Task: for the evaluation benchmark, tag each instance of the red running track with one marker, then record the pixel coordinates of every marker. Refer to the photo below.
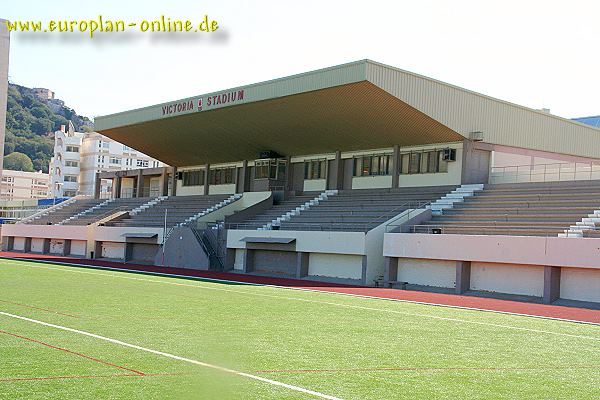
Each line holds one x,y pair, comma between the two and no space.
472,302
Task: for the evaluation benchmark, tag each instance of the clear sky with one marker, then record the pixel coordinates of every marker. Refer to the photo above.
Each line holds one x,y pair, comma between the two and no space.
535,53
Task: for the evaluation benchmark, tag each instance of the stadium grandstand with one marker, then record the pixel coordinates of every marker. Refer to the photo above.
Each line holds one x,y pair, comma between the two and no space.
360,173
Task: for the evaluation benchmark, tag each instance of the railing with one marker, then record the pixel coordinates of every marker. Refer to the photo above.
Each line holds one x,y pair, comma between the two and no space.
96,217
506,230
394,226
128,193
546,172
207,245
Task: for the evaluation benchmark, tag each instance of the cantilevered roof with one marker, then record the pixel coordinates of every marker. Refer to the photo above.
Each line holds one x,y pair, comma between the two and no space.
356,106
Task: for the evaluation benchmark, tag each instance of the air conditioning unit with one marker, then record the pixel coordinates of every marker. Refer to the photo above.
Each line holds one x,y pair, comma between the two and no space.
476,136
449,155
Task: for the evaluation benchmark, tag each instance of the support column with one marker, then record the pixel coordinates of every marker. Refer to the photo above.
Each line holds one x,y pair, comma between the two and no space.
242,183
335,179
10,243
67,247
206,176
396,167
551,284
164,182
97,250
97,186
118,187
173,181
363,277
302,264
248,261
390,273
46,248
139,190
289,175
128,252
463,277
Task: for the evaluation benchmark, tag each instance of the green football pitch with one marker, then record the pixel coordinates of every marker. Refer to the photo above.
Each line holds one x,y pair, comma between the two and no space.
79,333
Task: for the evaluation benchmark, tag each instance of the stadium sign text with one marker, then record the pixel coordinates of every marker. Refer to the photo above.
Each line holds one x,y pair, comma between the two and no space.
204,103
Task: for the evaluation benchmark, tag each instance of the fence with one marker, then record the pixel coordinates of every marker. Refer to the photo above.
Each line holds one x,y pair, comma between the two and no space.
553,172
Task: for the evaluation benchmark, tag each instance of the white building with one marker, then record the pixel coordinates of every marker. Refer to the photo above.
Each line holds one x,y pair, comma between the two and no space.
20,185
78,156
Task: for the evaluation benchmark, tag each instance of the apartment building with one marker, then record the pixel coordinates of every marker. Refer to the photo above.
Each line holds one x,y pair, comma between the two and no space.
20,185
79,156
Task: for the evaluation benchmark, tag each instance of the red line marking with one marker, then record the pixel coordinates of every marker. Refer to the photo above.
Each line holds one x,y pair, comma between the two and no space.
73,352
38,308
47,378
430,369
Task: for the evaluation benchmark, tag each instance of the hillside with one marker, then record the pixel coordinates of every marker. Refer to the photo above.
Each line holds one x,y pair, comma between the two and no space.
29,124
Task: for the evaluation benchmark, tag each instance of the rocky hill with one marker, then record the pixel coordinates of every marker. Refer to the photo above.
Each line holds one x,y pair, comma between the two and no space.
30,124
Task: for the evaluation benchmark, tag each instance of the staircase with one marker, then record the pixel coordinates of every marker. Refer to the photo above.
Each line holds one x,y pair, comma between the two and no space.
456,196
288,215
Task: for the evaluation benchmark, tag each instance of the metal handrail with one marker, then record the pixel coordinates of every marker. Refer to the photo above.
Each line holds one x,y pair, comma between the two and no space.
509,229
100,216
547,171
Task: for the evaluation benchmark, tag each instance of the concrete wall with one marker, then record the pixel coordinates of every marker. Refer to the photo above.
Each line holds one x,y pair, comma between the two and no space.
335,265
189,190
221,189
506,278
113,250
314,185
306,241
19,244
427,272
371,182
580,284
37,245
78,248
528,250
509,264
57,246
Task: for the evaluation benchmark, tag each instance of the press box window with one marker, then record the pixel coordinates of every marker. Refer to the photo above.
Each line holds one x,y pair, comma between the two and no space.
315,169
372,165
270,169
193,177
221,176
423,162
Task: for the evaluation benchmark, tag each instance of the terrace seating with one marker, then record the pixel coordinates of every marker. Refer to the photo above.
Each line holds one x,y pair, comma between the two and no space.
348,210
540,209
363,209
178,209
280,208
105,210
60,214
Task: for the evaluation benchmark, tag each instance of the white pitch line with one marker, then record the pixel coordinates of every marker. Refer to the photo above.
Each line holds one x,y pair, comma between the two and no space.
169,355
519,328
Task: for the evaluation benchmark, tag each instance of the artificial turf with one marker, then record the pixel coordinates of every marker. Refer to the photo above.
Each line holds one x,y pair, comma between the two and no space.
342,346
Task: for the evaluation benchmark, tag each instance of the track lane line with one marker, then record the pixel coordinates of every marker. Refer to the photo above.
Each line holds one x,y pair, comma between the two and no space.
458,320
175,357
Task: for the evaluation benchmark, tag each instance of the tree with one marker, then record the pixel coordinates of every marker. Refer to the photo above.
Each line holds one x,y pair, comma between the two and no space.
18,162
